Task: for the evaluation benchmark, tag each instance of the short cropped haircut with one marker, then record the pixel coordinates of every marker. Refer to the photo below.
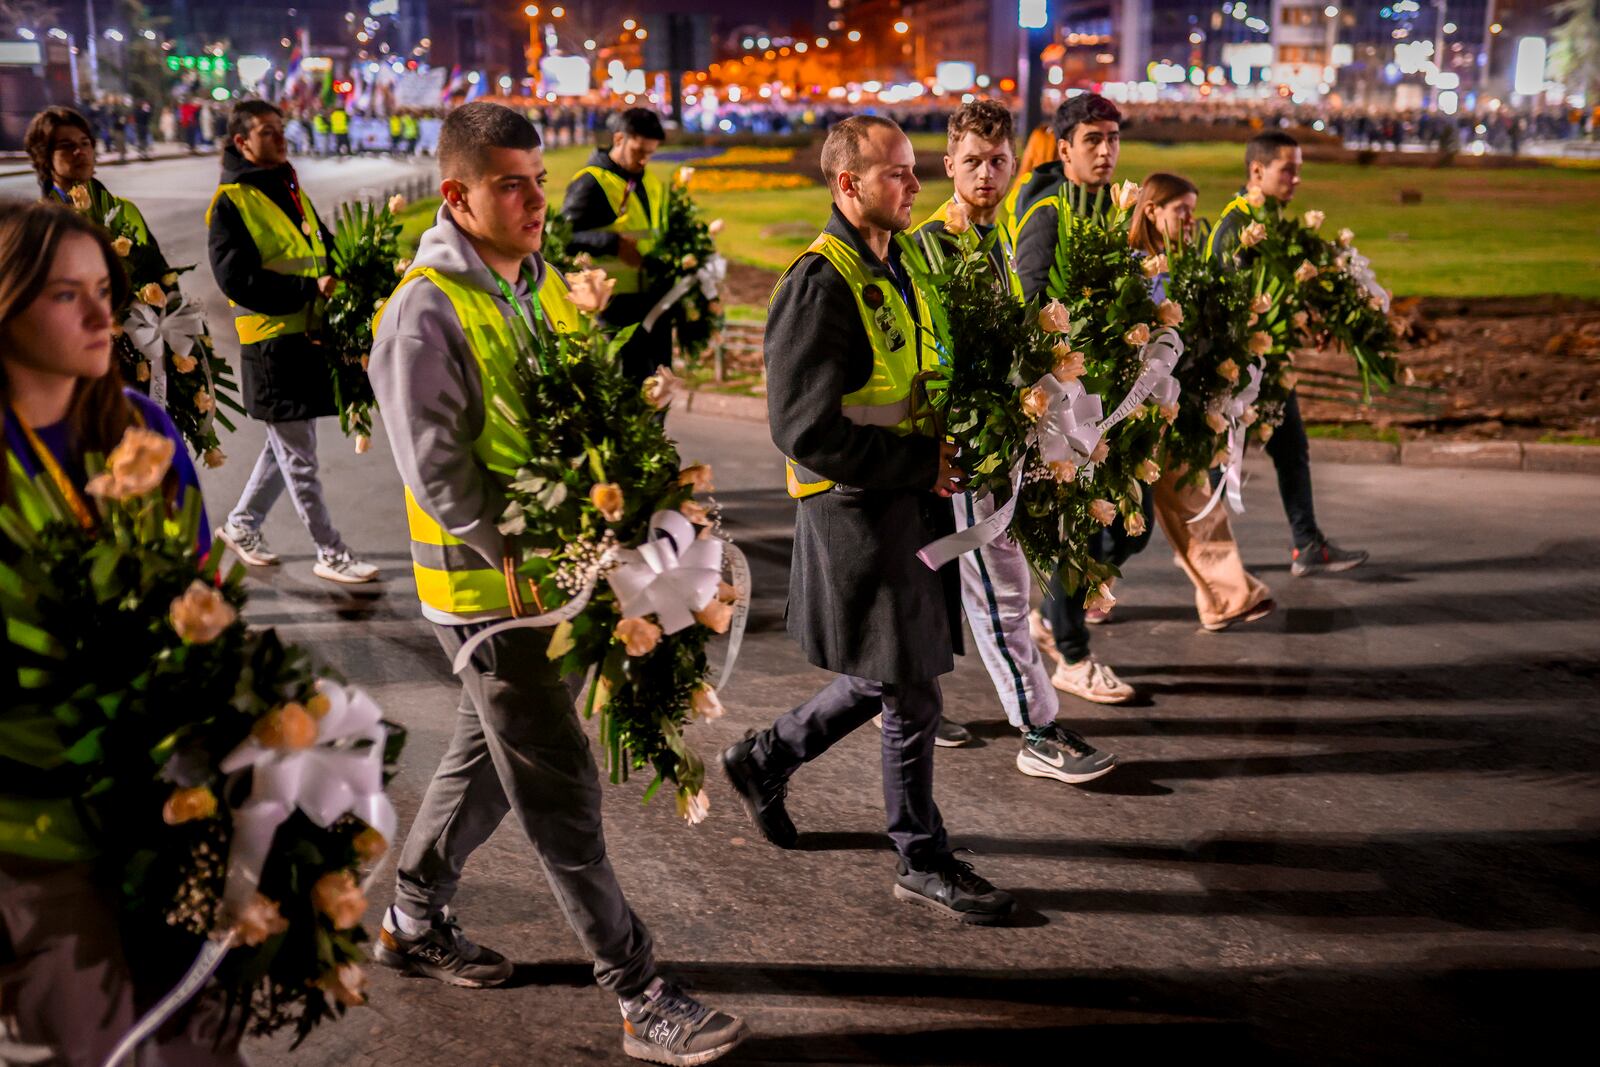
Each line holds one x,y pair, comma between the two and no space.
841,152
989,119
637,122
1085,107
471,130
1264,147
246,113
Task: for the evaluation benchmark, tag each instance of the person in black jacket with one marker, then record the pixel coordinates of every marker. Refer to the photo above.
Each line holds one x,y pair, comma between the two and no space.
845,341
615,206
1272,174
260,205
1088,132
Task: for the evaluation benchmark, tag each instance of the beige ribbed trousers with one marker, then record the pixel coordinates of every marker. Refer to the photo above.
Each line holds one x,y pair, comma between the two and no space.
1206,550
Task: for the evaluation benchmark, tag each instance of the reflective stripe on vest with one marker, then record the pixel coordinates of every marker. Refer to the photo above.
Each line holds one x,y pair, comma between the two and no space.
1008,248
284,248
450,575
632,220
886,399
1238,203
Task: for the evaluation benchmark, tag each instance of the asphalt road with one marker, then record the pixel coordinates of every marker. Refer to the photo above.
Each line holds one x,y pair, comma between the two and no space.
1363,830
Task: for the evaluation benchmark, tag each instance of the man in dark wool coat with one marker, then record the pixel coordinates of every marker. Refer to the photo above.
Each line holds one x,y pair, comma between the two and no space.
847,338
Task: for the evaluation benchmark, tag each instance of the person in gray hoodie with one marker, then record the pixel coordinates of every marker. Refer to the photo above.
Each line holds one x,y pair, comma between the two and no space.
518,745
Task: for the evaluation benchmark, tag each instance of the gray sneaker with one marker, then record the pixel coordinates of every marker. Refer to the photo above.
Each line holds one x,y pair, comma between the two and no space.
1325,557
1053,751
441,951
344,568
248,545
947,735
666,1025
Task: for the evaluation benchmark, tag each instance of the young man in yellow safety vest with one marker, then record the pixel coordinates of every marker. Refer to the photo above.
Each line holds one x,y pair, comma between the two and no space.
269,254
443,367
616,205
1088,130
995,578
848,339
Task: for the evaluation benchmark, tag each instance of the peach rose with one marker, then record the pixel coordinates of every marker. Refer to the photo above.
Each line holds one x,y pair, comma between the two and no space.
1148,472
1062,470
1103,511
135,467
607,499
1260,343
1101,451
122,246
1305,271
695,512
1248,416
1261,304
259,920
1069,365
591,290
397,204
80,197
1216,421
142,373
1252,235
1169,313
289,726
1100,599
185,805
363,442
684,176
638,636
201,614
694,809
1347,237
697,477
1035,402
203,401
370,845
1312,219
153,295
170,279
1255,198
1228,369
1154,265
716,616
1134,524
1053,318
1169,412
215,457
714,227
346,983
318,705
1301,319
689,262
1221,458
1139,335
338,897
1125,195
184,364
1253,319
661,387
956,219
706,704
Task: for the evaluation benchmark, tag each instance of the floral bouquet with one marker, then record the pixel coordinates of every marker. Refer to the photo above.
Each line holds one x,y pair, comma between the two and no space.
686,257
162,344
1220,374
613,549
1321,292
231,793
366,259
1049,403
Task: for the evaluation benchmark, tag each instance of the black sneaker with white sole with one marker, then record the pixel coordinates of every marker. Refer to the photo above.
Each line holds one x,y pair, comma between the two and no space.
1323,556
951,886
666,1025
440,951
1053,751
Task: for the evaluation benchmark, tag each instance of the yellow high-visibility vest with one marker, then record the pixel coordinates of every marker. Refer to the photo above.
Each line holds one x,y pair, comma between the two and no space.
451,576
886,399
633,220
285,248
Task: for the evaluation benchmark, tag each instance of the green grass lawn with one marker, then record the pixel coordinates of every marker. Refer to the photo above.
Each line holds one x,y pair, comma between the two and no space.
1476,232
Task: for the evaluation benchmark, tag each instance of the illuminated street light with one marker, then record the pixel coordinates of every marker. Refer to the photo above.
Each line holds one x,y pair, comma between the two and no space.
628,24
901,26
532,11
822,42
557,12
854,35
1331,11
113,35
589,44
1496,28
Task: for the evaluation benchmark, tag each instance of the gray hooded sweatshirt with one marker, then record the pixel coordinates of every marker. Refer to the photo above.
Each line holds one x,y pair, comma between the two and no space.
431,395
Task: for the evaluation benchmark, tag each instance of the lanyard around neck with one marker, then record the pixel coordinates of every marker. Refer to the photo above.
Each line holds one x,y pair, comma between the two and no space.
522,311
47,461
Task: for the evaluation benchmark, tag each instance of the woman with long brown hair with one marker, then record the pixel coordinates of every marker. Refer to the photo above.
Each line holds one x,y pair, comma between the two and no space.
1225,594
64,980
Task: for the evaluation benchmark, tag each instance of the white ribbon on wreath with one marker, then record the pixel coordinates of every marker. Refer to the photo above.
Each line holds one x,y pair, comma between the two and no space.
1231,484
155,330
709,277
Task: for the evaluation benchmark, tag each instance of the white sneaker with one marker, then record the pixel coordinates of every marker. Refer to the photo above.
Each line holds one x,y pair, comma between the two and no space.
344,568
248,545
1089,679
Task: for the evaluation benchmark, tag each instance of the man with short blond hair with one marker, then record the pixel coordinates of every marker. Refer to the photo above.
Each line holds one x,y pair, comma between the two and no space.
847,338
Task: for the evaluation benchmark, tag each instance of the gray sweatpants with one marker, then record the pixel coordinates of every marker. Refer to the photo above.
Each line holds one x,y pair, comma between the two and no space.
288,460
518,747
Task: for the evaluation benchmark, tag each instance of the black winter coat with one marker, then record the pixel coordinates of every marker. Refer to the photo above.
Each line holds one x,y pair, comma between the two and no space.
284,378
860,601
